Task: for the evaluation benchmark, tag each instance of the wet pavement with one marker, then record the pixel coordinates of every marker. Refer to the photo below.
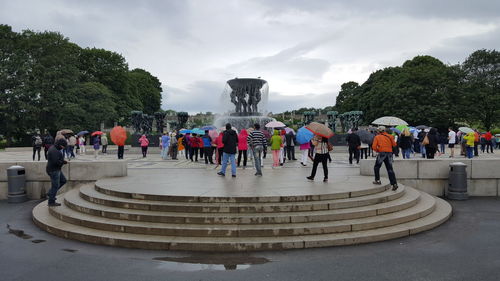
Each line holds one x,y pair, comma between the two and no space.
467,247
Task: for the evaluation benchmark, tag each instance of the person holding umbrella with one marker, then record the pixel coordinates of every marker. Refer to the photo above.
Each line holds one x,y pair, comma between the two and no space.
144,142
276,144
383,144
118,137
321,155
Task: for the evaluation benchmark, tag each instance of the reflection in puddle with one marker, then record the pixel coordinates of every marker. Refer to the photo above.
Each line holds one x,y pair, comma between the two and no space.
208,262
36,241
19,233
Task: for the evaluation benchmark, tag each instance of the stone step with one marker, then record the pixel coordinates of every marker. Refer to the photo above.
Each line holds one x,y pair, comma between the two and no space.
102,187
46,221
90,194
75,202
423,208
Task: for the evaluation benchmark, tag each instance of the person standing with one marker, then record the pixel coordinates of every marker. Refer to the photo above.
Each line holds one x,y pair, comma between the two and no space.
421,136
469,144
207,148
383,144
489,146
165,144
276,144
96,145
144,142
219,145
405,142
230,141
37,142
477,140
321,155
55,161
48,141
257,142
452,139
81,143
243,147
432,147
71,147
290,145
173,146
305,152
104,142
195,146
354,143
186,141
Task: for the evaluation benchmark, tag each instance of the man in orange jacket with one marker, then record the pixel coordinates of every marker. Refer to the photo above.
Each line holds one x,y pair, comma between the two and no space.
383,144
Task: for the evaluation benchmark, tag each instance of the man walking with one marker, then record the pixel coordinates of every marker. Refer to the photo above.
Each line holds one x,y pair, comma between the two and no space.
55,161
257,141
452,137
383,144
354,143
37,145
230,141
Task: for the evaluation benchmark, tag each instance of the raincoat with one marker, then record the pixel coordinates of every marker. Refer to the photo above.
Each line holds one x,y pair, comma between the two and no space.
242,140
144,141
276,141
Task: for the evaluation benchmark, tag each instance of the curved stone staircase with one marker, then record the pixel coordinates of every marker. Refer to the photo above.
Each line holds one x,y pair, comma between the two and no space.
101,215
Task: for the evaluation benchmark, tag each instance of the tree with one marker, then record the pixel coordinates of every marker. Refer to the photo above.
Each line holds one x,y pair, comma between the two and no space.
481,79
144,90
347,98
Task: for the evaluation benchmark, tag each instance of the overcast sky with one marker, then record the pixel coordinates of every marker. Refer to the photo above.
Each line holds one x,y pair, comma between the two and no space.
305,49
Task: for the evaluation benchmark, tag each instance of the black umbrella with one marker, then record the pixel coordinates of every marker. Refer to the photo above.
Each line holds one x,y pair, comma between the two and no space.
365,136
422,127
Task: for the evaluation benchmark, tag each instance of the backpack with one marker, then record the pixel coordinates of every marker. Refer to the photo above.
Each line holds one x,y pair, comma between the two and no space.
38,141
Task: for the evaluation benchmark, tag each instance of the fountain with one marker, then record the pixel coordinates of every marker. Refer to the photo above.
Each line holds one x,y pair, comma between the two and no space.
244,103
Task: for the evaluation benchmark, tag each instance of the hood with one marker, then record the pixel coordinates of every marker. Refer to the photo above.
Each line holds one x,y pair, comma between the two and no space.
60,144
243,132
230,132
276,133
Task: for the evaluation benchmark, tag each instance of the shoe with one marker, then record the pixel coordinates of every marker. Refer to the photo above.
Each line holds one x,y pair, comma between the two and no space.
294,159
395,187
221,174
310,178
233,176
55,204
281,164
377,182
258,174
325,180
302,164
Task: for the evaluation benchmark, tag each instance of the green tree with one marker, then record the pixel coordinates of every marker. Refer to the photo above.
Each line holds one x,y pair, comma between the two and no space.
144,90
481,80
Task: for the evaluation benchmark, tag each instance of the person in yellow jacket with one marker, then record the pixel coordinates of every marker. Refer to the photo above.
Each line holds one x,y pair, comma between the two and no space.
383,144
276,144
469,145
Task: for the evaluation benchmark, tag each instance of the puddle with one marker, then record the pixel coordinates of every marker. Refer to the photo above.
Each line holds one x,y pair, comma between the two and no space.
36,241
19,233
70,250
198,263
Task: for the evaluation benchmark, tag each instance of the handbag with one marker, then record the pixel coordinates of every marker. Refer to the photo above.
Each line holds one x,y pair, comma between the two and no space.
425,141
330,147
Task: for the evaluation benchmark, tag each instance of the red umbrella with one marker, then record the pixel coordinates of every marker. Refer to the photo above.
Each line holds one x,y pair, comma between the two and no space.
320,129
97,133
118,135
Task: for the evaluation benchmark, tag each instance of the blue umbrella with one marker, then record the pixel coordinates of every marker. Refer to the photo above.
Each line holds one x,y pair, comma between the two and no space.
396,130
82,133
304,135
198,131
185,131
208,128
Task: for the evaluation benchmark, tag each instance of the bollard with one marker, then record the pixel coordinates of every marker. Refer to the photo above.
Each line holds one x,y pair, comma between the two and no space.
457,182
17,184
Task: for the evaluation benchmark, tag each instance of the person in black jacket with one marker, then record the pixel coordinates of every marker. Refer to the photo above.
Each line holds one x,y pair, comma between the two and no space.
48,141
354,142
230,141
290,145
432,147
55,161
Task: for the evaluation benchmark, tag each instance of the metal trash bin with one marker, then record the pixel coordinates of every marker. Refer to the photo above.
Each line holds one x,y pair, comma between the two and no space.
16,177
457,182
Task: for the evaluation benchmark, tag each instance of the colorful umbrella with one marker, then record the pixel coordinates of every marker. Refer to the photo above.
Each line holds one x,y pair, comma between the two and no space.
402,127
396,130
185,131
304,135
97,133
208,128
288,130
320,129
213,134
275,124
118,135
82,133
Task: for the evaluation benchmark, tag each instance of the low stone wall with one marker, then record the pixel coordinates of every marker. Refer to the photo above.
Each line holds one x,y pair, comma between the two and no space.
431,175
77,173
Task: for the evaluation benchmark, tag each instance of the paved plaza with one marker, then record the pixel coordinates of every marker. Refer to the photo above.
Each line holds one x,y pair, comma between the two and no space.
464,248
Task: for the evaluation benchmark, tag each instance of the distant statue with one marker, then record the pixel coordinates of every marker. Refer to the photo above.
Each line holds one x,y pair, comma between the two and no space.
147,124
182,118
160,121
245,95
136,120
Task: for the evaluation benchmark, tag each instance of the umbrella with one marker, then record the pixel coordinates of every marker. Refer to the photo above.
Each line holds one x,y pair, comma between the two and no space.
466,130
497,135
275,124
198,131
66,132
365,136
288,130
82,133
320,129
118,135
266,134
304,135
97,133
389,121
422,127
185,131
213,134
402,127
396,130
208,128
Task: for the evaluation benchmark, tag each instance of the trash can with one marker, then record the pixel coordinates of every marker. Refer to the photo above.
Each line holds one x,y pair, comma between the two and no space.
457,182
16,177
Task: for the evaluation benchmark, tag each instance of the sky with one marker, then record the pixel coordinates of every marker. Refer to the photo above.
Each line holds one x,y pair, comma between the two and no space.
305,49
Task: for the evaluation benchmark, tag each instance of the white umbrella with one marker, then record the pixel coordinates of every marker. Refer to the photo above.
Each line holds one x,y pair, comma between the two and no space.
275,124
465,130
389,121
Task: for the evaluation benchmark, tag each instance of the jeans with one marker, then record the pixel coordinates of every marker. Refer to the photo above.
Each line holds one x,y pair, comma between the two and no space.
208,154
257,151
105,148
422,150
164,153
443,148
225,158
386,158
470,152
353,151
406,153
323,158
37,149
57,179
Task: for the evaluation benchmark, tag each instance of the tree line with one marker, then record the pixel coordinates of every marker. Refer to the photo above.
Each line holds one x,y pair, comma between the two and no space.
426,91
48,83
